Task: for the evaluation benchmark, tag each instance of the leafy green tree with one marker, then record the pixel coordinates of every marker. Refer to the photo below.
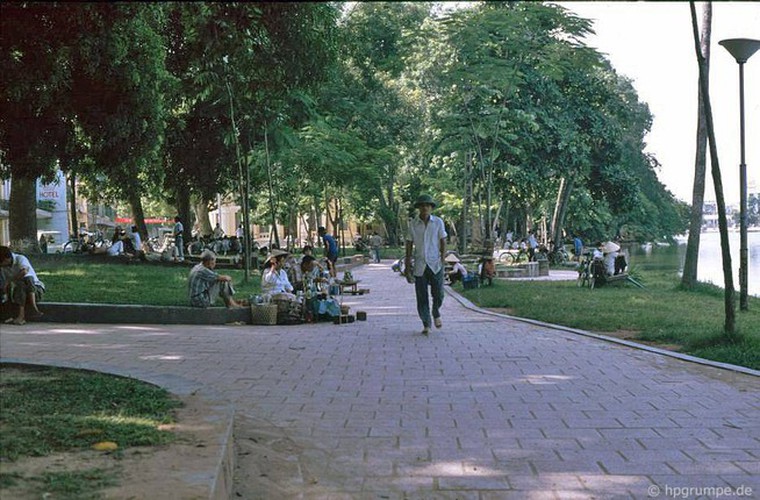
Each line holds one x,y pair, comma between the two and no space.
245,56
88,83
35,123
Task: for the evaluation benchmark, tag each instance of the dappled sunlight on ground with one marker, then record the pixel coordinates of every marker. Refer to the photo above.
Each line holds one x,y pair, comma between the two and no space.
163,357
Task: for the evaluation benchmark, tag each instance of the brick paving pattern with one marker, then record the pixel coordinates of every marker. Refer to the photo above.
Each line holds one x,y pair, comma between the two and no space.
486,407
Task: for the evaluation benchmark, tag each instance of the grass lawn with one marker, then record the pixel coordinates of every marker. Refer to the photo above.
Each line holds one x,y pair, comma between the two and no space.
691,322
73,278
47,410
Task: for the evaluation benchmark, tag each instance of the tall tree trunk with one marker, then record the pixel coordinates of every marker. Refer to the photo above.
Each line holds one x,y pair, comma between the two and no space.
204,224
138,215
689,278
560,209
317,214
388,211
23,210
496,216
184,211
73,205
467,201
270,182
729,294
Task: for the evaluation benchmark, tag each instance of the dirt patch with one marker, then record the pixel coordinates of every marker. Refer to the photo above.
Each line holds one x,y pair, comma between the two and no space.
632,336
502,310
165,471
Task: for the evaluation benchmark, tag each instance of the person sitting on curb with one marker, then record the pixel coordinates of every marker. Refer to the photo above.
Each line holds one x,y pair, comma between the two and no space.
205,284
19,281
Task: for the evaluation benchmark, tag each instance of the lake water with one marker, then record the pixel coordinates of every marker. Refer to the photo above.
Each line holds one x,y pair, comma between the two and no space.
710,267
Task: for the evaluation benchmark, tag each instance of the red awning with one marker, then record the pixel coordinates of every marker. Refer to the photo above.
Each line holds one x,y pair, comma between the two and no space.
127,220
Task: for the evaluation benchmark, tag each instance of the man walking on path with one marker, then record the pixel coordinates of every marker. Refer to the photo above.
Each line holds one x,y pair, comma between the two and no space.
375,242
427,237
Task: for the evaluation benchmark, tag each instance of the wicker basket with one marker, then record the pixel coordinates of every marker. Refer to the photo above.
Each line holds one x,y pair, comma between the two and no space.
264,314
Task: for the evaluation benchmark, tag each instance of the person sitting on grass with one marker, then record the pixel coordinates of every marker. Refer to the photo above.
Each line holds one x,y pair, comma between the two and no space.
19,282
487,270
205,284
458,271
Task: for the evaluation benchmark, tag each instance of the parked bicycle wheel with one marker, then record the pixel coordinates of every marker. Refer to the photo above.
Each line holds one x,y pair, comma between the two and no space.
71,246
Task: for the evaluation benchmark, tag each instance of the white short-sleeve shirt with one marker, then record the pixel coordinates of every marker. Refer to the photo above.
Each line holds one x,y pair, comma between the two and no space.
426,239
20,262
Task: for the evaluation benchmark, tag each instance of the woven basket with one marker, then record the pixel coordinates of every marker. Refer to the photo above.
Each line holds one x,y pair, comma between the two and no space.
265,314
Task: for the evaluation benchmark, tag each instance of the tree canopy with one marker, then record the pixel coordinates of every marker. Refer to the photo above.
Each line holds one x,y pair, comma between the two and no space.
498,109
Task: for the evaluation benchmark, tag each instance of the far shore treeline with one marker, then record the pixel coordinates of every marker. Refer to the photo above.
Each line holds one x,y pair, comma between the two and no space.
499,110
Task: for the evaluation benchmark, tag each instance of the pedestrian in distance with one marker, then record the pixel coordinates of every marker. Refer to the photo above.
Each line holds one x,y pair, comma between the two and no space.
375,242
426,240
179,240
331,249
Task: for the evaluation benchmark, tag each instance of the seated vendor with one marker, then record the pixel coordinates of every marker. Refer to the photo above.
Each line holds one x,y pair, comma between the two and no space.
308,270
205,284
610,251
274,279
458,271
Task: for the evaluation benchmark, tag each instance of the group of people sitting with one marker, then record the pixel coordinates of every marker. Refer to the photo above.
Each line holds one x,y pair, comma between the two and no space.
282,277
122,243
458,272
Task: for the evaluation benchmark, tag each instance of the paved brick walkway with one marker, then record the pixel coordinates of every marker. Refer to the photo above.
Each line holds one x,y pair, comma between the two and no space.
485,408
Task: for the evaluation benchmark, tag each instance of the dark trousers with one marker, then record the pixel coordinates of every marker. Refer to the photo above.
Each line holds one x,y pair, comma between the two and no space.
421,284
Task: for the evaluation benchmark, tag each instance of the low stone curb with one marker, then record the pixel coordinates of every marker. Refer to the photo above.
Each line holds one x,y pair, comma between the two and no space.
683,357
65,312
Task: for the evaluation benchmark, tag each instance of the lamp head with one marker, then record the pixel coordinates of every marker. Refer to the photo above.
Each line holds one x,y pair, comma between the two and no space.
741,48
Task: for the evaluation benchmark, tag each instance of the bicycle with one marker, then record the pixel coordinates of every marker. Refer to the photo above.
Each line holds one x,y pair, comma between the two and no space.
84,243
558,256
591,272
510,257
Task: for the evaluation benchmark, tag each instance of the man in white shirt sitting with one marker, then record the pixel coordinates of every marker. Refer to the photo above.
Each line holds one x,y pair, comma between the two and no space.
20,283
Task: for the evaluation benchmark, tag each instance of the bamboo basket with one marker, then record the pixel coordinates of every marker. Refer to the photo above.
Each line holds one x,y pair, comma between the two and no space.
264,314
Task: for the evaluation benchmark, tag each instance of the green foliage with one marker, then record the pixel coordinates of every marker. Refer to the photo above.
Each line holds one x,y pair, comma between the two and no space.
168,101
90,280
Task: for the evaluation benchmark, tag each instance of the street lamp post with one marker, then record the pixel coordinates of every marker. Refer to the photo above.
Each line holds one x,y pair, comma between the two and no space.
742,49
